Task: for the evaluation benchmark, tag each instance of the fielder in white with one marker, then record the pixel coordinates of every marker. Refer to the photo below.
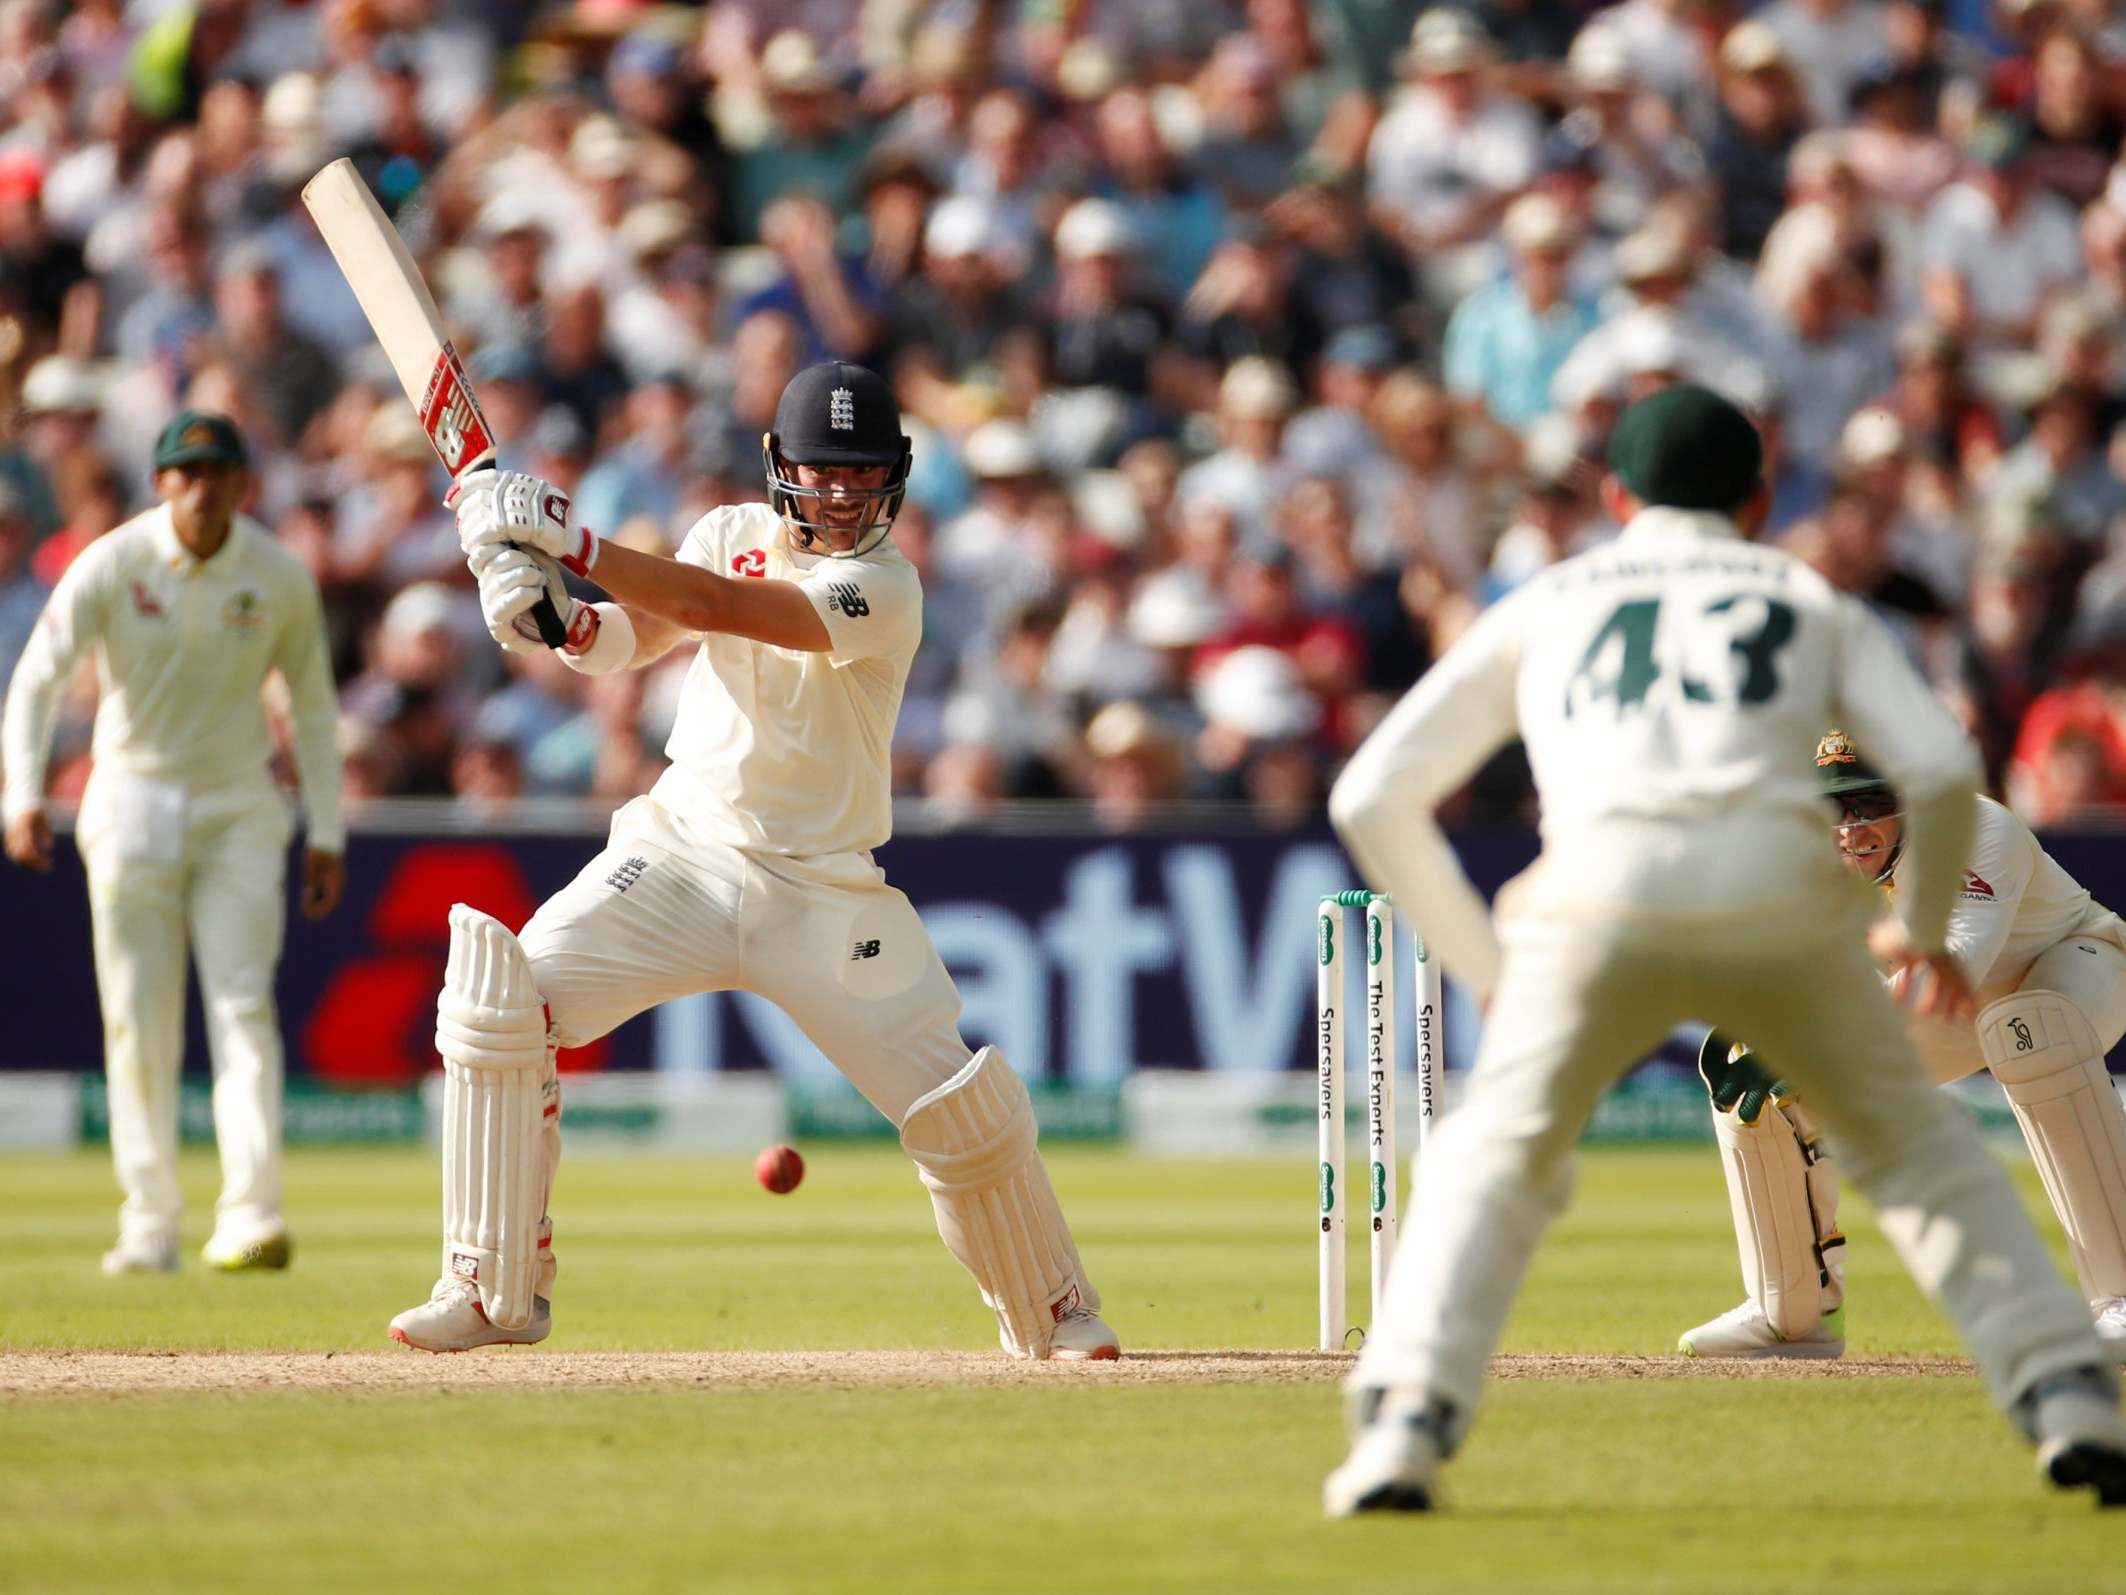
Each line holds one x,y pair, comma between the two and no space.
1667,686
2048,965
747,866
183,832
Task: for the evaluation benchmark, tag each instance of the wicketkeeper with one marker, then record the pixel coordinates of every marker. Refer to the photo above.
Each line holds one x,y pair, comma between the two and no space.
2048,964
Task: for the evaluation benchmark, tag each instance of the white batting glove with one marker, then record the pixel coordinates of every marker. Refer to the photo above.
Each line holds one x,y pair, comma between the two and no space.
512,580
512,507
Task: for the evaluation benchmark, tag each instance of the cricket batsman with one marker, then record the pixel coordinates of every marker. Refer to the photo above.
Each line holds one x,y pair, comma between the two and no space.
747,866
2048,965
187,609
1665,685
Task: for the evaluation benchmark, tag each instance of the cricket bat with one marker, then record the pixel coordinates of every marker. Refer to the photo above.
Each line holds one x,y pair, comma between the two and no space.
373,258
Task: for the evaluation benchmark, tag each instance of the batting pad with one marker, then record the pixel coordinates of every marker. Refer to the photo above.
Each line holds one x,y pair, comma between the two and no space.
2044,1052
974,1141
1783,1193
501,1117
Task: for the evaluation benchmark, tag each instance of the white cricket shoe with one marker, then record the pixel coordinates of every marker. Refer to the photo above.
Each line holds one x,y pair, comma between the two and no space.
452,1319
1394,1459
2110,1314
1082,1335
1745,1332
141,1254
2081,1440
238,1251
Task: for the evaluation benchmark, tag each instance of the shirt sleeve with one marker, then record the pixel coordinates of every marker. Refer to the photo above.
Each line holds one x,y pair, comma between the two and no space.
871,610
307,668
1990,893
72,620
1459,714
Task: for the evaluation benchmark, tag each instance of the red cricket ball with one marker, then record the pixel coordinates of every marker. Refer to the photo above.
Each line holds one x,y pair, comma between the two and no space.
779,1168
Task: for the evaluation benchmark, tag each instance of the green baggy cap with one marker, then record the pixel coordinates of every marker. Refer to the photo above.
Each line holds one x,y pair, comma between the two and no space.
195,436
1688,448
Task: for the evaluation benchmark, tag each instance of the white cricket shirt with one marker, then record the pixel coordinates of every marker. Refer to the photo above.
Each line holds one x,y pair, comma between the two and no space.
1675,674
2015,902
778,750
182,648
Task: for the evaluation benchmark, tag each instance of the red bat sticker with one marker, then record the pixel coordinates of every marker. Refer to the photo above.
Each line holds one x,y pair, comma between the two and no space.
450,415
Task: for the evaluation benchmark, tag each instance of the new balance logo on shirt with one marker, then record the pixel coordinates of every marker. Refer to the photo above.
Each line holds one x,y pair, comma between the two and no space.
863,949
845,597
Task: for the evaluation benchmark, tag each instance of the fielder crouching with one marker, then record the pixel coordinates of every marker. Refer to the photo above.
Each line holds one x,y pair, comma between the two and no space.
2048,965
747,866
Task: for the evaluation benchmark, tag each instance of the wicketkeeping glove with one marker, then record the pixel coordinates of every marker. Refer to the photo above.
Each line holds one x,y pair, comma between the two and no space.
1734,1079
512,507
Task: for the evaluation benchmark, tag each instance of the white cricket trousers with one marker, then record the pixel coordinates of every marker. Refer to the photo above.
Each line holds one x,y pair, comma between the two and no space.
171,868
657,915
1584,993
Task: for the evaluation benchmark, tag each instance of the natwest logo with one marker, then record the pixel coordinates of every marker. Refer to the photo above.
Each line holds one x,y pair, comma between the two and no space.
753,562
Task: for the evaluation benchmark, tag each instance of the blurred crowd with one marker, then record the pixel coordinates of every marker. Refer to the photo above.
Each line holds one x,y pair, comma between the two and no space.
1249,347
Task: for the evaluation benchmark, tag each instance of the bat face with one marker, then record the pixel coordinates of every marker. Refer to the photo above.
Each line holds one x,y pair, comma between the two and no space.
451,416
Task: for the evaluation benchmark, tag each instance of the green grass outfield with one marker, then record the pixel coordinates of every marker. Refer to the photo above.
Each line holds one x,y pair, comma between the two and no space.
517,1471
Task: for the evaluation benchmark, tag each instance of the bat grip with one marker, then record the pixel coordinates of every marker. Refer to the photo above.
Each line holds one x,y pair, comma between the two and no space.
551,630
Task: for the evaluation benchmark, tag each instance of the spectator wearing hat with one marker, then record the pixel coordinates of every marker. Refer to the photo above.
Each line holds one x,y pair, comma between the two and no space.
946,318
1259,741
1103,332
1256,398
182,829
1133,764
1332,438
291,376
1827,211
1929,536
1449,158
816,146
1659,332
1422,499
1762,115
999,545
1825,357
1994,252
1506,342
1556,515
62,402
655,86
392,528
1665,44
412,691
1177,218
1830,43
507,302
1627,137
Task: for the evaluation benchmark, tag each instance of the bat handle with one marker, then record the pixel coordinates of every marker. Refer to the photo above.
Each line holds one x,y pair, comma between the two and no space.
551,630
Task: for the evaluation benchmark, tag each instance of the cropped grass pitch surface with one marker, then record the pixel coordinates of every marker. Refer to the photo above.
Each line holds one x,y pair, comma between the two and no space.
752,1393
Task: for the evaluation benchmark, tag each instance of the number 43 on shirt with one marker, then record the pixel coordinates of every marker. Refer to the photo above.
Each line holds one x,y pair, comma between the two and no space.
1729,653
